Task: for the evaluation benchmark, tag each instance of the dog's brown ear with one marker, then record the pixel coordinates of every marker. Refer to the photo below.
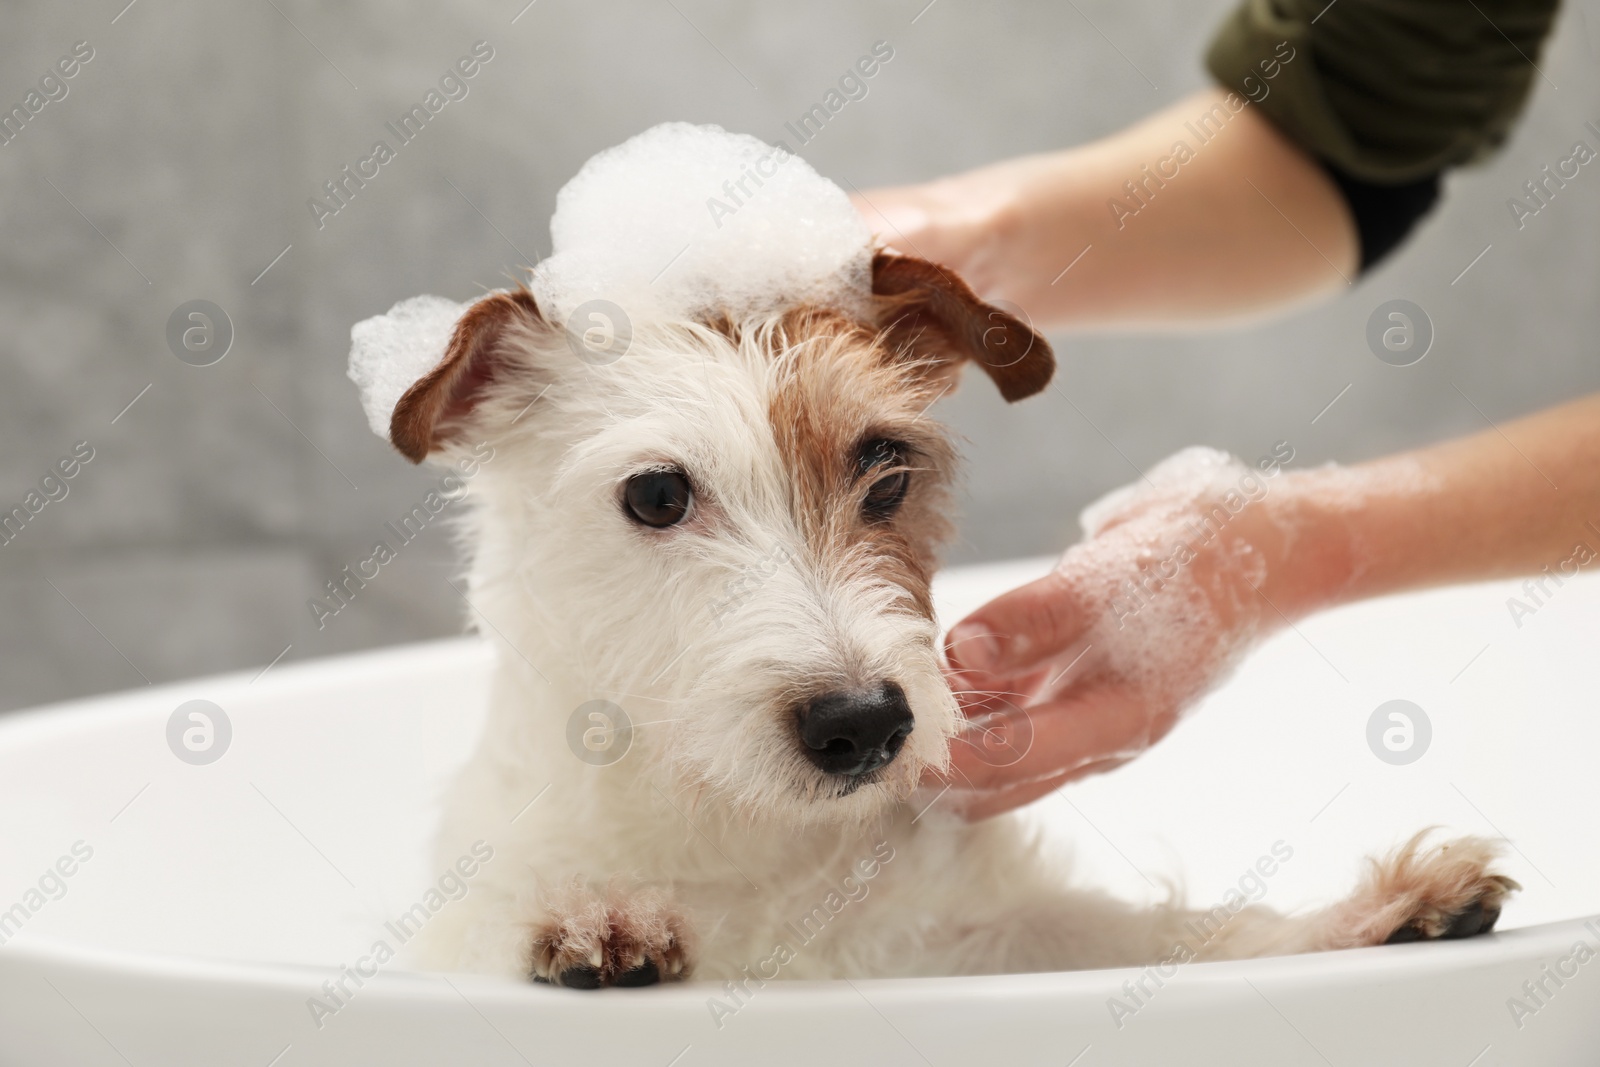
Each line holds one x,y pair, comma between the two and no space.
433,410
930,311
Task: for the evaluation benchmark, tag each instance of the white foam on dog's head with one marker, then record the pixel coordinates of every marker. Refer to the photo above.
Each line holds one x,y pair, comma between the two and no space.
676,223
683,220
389,352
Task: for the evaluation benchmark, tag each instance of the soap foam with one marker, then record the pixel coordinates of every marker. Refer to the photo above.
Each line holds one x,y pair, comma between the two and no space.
1174,486
684,220
678,222
389,352
1173,601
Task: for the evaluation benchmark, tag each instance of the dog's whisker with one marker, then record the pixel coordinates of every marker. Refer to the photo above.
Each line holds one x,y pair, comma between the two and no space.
972,637
953,769
975,745
681,653
624,694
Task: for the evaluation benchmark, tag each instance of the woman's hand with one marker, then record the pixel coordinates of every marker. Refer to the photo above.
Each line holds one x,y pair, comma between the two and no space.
1178,575
1176,578
957,222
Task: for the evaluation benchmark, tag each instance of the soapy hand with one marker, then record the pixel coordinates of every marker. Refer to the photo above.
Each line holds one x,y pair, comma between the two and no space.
1085,668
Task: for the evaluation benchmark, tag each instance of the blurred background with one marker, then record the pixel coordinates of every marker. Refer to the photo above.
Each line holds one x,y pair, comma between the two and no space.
179,165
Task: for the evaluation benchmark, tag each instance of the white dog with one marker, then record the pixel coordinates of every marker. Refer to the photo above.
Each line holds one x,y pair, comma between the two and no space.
730,533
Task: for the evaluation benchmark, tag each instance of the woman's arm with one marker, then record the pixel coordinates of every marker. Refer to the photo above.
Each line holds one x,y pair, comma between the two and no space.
1510,500
1231,204
1246,224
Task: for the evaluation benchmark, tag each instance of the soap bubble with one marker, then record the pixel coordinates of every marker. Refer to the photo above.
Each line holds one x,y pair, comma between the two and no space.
683,220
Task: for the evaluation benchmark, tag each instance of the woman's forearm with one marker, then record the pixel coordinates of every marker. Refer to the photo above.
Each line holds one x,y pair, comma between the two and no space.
1239,222
1513,499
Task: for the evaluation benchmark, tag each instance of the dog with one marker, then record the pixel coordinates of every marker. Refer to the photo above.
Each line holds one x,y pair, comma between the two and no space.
731,534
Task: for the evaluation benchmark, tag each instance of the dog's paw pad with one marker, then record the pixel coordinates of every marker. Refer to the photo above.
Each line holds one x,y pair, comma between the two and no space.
645,974
581,978
1477,919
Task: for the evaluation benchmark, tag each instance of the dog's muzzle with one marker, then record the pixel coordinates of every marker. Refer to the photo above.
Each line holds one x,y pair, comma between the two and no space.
855,733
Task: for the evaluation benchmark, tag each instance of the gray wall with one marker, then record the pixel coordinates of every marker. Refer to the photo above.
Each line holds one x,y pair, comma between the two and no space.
180,164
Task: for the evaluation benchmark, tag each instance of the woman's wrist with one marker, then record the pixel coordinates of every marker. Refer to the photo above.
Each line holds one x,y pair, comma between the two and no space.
1026,219
1310,544
984,231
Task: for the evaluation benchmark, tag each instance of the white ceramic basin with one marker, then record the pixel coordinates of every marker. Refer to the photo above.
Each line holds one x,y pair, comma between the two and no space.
217,898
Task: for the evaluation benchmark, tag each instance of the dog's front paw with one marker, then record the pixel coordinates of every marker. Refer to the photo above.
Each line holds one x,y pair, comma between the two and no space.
1428,894
589,939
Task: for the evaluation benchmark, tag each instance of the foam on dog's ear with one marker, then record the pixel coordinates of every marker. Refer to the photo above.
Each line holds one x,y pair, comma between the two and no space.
389,352
434,409
930,312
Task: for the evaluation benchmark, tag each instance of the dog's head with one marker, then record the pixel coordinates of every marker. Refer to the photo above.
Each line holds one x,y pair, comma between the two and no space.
729,530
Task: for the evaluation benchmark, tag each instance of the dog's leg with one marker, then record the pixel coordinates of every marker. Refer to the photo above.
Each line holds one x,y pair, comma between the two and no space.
588,938
1416,893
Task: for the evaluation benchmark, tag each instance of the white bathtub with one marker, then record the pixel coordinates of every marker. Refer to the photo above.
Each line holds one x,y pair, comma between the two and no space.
218,898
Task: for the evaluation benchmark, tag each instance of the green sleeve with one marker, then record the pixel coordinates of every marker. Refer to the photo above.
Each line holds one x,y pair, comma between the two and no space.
1388,91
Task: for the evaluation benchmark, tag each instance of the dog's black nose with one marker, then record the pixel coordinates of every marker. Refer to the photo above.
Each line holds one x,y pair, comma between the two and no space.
855,733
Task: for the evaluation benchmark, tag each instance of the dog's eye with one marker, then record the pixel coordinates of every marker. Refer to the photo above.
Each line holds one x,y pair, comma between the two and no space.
889,491
886,495
658,498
